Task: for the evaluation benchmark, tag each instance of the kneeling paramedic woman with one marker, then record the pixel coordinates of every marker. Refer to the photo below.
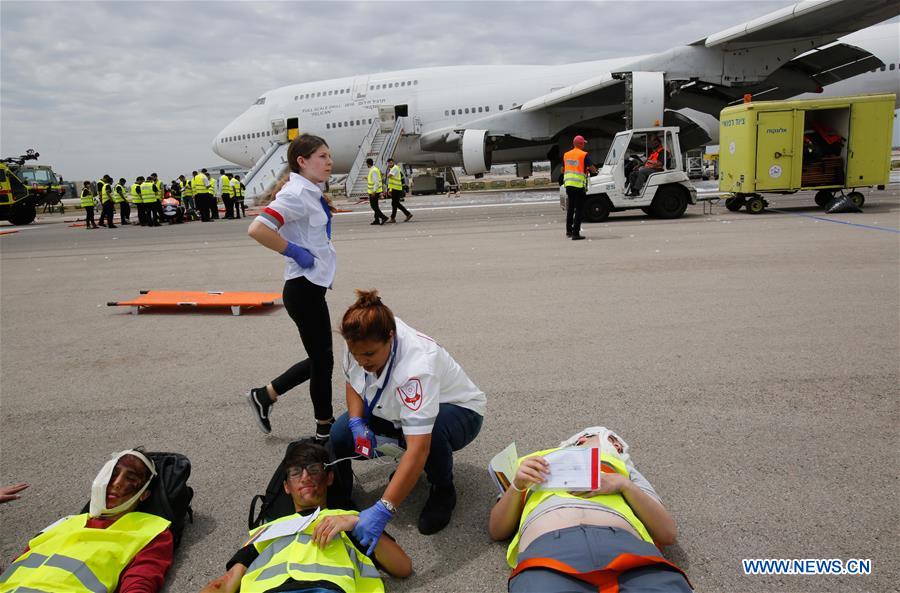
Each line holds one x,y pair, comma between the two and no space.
402,385
602,540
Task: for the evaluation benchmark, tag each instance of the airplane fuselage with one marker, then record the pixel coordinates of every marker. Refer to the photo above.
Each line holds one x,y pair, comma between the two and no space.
342,110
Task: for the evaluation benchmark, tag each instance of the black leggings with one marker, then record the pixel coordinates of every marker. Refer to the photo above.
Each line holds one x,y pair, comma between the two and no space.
305,303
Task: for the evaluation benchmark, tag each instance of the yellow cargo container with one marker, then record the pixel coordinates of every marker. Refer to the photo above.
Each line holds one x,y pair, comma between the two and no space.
829,145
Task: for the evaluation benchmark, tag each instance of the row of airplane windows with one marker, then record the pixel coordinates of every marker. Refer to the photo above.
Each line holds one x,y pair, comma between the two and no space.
467,110
347,124
246,136
372,87
882,68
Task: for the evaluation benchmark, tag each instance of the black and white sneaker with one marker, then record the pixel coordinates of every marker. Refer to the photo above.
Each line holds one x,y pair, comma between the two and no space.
261,405
323,432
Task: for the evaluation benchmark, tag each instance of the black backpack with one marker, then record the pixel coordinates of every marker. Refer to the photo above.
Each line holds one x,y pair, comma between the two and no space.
277,503
170,495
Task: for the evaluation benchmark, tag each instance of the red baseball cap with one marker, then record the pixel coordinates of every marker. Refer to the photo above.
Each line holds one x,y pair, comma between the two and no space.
579,140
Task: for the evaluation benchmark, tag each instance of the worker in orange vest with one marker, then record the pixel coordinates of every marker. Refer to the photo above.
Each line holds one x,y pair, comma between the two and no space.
576,165
653,164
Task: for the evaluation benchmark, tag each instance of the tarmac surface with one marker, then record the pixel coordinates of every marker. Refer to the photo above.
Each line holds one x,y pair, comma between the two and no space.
751,362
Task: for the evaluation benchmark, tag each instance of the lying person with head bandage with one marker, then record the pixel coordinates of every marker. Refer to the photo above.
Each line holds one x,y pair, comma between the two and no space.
113,547
586,541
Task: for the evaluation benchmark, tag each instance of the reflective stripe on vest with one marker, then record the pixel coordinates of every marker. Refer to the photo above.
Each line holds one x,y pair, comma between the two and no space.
119,193
616,502
87,199
198,183
226,185
297,557
236,188
148,194
573,168
135,196
374,180
73,558
395,179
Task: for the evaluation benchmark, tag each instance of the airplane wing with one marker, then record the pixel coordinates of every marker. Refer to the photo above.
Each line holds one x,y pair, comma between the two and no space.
782,54
807,73
809,19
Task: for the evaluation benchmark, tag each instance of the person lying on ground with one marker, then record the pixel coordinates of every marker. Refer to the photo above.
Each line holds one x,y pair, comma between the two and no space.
582,541
111,548
321,557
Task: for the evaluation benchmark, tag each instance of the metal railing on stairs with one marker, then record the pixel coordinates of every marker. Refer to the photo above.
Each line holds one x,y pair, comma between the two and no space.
378,146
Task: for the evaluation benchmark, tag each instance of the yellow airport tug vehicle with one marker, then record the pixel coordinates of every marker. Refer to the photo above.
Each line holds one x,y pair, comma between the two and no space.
43,188
16,204
825,145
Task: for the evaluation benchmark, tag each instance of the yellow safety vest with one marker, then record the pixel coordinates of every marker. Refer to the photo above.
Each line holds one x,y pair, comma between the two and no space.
148,194
186,189
135,196
103,191
157,191
395,178
374,180
226,186
615,502
236,188
118,193
198,184
87,198
211,189
297,557
573,168
72,558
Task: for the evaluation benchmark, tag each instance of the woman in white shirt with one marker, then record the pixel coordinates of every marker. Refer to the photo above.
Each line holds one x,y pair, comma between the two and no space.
297,224
402,386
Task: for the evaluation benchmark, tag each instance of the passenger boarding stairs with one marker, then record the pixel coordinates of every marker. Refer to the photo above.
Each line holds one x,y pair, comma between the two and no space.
378,145
267,170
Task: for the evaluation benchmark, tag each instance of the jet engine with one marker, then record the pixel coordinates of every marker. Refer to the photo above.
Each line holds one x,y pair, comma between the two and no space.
476,155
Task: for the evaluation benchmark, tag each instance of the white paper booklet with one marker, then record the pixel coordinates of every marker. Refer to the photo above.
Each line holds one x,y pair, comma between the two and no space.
289,527
503,466
573,468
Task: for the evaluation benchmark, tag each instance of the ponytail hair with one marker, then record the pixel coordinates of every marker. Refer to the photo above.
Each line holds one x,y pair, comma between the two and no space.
270,195
368,319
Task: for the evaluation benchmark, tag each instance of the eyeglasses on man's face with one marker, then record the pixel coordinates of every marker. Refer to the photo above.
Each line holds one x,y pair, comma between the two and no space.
315,471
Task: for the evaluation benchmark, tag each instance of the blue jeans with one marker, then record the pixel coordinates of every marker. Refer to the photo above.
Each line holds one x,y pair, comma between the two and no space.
454,428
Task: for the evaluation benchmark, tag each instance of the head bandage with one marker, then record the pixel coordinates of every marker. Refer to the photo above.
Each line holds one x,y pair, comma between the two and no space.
605,445
101,483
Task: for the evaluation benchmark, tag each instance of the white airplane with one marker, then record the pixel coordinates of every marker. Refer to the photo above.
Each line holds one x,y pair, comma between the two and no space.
473,116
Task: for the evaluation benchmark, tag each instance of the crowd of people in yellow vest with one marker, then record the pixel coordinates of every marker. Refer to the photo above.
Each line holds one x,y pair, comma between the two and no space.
186,198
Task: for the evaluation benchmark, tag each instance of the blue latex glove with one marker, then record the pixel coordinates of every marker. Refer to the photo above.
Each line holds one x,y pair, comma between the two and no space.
359,428
371,525
299,254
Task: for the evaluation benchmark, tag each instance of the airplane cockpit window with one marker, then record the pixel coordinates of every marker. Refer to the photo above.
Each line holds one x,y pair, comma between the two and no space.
260,101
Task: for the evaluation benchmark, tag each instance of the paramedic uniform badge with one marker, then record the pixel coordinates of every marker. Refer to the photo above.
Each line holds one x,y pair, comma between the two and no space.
411,394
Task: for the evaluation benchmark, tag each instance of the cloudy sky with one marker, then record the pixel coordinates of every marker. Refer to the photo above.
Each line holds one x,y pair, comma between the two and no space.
126,88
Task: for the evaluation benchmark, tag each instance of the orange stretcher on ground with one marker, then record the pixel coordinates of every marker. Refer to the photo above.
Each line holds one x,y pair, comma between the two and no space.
189,298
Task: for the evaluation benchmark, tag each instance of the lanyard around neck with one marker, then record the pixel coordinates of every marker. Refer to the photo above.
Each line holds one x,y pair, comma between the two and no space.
387,377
